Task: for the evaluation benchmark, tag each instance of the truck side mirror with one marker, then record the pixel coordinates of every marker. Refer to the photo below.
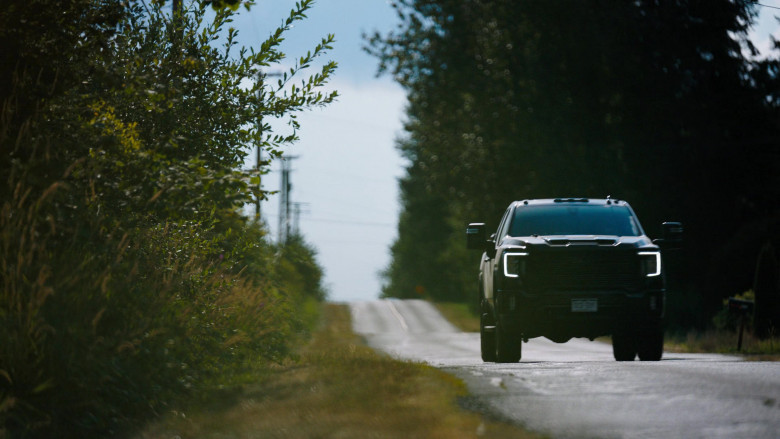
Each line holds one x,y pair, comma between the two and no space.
475,236
490,246
671,235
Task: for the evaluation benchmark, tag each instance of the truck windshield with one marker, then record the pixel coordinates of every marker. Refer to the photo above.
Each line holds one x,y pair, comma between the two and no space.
574,220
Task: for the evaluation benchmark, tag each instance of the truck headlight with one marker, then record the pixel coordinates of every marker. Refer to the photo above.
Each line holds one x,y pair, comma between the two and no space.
650,263
514,264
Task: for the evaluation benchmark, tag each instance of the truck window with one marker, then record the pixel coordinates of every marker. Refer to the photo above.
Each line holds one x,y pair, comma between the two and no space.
574,220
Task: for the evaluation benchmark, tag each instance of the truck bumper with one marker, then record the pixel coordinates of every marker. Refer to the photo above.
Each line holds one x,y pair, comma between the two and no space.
562,315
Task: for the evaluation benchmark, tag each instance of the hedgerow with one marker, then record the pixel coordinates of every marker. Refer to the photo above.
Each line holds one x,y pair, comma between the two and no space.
130,276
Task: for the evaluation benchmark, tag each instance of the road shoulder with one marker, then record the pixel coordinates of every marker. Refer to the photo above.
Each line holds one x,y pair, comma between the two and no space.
340,388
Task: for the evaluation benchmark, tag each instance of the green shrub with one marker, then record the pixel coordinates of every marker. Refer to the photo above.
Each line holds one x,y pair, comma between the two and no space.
130,280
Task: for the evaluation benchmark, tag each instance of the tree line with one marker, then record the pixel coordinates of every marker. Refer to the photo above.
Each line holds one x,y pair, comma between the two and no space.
131,278
663,104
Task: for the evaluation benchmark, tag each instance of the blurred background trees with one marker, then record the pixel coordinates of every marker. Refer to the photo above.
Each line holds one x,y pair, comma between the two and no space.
130,276
659,103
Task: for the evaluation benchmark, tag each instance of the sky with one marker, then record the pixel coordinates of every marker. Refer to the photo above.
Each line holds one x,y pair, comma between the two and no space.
347,168
766,25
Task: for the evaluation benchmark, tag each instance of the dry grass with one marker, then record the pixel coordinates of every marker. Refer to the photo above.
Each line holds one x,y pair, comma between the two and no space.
725,342
342,389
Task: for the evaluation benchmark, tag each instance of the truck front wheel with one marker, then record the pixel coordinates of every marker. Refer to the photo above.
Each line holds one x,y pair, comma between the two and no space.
624,346
487,337
650,345
509,348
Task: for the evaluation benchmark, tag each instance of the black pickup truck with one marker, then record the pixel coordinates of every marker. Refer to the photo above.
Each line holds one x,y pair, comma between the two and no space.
571,267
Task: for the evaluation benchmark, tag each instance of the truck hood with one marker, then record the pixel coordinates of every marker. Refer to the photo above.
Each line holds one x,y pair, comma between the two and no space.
581,240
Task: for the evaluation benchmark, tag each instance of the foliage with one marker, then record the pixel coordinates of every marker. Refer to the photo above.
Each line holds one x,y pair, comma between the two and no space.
129,276
302,272
725,342
729,319
651,102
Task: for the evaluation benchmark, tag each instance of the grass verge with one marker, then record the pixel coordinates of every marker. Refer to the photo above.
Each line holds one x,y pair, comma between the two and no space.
725,342
338,388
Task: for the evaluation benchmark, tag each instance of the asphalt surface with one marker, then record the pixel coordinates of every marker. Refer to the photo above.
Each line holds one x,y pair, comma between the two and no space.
577,389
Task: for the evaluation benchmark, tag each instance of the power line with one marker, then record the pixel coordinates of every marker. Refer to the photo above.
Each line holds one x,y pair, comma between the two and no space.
767,6
336,221
356,223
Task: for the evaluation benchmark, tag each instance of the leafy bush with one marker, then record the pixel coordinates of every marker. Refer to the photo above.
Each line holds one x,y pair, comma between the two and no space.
129,277
727,319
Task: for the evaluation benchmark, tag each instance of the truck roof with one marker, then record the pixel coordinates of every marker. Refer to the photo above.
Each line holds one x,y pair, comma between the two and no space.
572,200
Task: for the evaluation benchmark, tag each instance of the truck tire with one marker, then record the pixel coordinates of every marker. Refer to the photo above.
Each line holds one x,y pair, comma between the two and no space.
650,345
509,349
624,346
487,337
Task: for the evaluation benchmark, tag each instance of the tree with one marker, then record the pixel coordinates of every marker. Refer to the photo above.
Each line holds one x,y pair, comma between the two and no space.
650,102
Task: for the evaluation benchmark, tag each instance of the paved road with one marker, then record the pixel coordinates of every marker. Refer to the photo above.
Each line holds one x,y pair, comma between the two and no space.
577,390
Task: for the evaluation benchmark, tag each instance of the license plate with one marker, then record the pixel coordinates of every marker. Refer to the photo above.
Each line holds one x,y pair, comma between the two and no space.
584,305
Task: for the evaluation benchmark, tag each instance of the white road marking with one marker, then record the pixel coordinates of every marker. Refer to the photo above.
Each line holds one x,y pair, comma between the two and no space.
398,315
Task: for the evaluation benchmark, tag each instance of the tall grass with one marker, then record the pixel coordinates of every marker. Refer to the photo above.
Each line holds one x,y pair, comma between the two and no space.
723,335
103,325
725,341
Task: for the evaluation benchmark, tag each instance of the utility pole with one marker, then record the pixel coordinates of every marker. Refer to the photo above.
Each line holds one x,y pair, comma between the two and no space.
259,177
297,209
284,201
259,158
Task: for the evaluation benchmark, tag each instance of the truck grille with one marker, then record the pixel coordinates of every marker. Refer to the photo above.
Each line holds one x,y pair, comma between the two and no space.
570,271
